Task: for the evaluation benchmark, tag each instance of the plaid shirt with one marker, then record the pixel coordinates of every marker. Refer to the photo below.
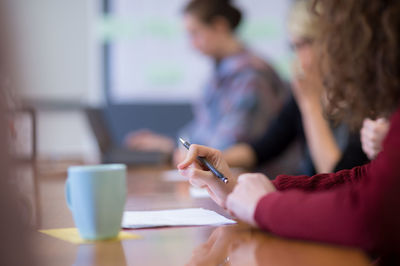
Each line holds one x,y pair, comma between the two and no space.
243,95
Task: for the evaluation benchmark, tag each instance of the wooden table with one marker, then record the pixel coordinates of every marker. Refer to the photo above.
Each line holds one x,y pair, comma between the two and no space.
147,190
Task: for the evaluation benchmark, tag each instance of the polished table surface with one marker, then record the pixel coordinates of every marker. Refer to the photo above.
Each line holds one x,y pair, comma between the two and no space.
204,245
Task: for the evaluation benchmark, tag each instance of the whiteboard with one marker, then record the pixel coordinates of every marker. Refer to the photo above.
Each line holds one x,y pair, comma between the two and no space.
151,59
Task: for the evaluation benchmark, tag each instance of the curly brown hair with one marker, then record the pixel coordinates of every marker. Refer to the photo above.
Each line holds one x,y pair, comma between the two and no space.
360,62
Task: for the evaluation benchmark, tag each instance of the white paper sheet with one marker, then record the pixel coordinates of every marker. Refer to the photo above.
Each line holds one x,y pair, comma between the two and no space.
173,176
198,193
178,217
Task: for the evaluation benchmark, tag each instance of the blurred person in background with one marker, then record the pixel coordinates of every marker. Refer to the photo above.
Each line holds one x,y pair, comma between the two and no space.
15,232
243,94
326,146
360,65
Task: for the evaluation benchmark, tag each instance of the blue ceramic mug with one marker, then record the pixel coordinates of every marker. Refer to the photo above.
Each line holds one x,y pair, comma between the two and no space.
96,197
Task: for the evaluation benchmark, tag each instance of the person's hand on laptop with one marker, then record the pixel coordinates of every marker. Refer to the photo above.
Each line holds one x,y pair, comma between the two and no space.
146,140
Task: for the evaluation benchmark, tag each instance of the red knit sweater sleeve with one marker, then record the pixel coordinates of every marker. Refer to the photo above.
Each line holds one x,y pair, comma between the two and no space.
318,182
343,208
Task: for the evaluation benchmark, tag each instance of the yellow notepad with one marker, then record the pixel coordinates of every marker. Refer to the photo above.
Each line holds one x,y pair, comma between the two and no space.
71,235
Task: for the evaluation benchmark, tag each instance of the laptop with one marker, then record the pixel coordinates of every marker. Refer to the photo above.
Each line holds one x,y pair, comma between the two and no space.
112,152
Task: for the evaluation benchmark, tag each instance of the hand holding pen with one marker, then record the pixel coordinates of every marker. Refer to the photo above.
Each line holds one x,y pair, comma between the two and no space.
239,196
199,174
206,163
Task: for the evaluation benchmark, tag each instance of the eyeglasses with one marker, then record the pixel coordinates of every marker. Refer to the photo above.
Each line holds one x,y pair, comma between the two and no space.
297,45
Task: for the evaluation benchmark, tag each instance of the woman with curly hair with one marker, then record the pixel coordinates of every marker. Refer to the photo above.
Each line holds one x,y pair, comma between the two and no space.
326,146
360,69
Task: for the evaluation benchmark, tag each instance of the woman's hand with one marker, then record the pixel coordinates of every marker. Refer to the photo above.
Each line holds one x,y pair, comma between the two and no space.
178,156
307,86
239,196
146,140
308,91
199,176
250,188
373,133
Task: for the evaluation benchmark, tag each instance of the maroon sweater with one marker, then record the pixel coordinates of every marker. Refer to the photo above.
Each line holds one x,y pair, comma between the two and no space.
358,207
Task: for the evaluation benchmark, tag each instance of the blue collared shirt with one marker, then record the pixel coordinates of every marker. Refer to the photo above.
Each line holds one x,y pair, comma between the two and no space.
238,102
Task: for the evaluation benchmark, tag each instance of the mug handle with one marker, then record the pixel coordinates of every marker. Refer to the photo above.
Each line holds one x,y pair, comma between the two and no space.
67,194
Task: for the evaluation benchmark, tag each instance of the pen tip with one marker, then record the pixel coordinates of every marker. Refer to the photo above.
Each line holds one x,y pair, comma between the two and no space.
181,140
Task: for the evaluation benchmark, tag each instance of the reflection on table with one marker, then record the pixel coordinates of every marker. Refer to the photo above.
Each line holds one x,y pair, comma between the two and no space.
241,245
148,189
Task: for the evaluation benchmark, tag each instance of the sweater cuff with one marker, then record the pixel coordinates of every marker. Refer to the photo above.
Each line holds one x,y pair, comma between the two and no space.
281,181
262,214
275,182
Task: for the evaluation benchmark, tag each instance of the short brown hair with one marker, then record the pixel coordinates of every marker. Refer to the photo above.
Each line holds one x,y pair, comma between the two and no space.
208,10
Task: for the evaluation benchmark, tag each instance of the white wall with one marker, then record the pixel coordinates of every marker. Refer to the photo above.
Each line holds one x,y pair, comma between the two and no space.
58,46
151,56
59,51
65,135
